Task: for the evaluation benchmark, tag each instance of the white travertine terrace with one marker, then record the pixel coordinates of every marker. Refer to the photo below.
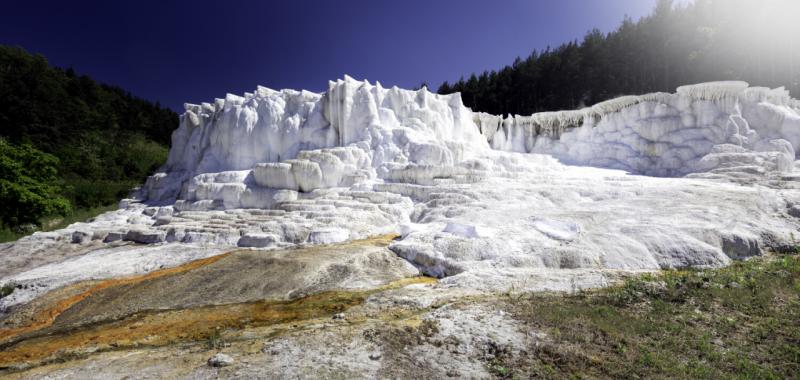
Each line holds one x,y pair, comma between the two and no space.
659,134
547,201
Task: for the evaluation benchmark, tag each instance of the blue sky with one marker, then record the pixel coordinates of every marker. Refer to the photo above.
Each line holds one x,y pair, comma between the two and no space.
194,51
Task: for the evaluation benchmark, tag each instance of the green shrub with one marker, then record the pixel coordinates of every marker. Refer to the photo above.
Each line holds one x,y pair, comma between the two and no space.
70,141
86,194
27,190
142,157
6,290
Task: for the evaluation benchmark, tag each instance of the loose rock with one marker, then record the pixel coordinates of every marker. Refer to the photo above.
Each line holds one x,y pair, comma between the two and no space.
80,237
220,360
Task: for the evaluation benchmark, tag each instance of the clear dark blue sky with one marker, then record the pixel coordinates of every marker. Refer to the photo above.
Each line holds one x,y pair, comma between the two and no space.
194,51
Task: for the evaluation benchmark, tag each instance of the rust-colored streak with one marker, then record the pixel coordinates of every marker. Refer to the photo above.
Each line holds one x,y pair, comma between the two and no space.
158,328
23,347
46,317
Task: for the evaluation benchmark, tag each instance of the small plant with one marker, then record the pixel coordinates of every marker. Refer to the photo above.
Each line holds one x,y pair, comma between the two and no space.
500,371
429,328
6,290
214,340
499,360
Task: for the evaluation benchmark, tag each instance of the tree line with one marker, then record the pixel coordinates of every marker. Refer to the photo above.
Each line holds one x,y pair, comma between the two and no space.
68,142
707,40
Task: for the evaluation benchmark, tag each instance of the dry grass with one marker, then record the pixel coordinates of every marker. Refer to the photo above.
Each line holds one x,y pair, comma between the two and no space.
742,321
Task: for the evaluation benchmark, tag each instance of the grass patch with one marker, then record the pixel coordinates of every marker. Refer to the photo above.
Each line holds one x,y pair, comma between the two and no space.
79,215
7,234
742,321
55,223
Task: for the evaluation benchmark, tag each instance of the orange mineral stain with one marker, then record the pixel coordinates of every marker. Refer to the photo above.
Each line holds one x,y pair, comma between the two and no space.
21,346
158,328
47,317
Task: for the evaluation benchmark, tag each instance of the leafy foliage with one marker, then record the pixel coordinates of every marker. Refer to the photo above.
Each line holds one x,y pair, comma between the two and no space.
80,141
706,40
6,290
26,185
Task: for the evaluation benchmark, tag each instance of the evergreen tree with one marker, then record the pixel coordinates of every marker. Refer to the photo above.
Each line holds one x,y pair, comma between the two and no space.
706,40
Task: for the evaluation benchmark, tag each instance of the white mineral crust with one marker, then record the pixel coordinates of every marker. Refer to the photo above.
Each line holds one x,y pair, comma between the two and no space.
552,200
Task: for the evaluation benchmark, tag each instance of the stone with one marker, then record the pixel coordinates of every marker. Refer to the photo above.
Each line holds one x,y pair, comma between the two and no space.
220,360
453,373
164,211
145,236
256,240
114,236
198,237
99,234
328,236
740,247
162,220
27,228
80,237
125,203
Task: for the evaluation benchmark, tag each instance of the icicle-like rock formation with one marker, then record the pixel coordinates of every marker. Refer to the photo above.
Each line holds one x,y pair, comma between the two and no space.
301,141
701,128
243,151
485,201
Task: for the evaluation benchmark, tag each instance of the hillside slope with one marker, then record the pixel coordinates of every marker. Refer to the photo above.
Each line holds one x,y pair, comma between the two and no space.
104,139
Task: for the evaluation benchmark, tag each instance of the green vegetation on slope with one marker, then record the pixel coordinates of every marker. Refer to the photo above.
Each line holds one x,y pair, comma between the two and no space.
706,40
94,142
742,321
27,185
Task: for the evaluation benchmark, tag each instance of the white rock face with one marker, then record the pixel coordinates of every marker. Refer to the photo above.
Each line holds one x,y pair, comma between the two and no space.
662,134
486,201
234,149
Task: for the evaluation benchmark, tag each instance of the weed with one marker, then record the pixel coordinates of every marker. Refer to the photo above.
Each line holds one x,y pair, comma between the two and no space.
6,290
214,340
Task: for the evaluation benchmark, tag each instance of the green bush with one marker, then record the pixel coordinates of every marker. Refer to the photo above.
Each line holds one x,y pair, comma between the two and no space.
142,157
27,190
86,194
69,140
